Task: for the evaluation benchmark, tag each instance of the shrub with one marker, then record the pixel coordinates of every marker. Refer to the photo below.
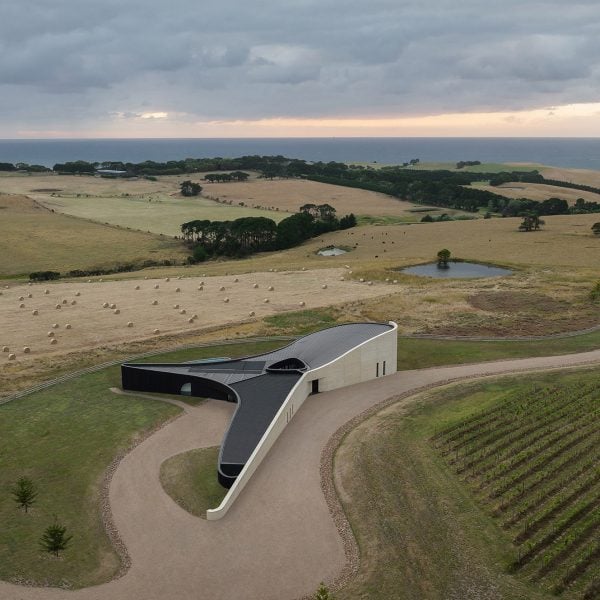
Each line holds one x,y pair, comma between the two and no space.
44,275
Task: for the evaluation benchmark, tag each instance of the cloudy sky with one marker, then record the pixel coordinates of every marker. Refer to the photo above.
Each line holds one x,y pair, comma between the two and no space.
237,68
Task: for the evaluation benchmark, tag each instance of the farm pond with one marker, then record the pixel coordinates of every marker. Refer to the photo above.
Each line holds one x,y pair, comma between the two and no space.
458,270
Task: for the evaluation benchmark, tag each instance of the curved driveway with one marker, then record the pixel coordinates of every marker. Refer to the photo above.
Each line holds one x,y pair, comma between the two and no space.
278,540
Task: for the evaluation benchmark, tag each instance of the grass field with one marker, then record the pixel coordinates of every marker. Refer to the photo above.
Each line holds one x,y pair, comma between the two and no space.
291,194
425,532
35,239
538,191
64,438
190,479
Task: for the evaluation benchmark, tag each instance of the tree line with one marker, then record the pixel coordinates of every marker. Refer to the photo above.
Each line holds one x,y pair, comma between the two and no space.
247,235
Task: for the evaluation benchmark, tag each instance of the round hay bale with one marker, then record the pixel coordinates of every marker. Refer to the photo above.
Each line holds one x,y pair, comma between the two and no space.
255,286
202,283
89,281
395,281
5,348
156,331
21,298
154,302
116,311
73,302
21,305
362,280
177,289
342,279
46,291
200,288
274,270
387,279
68,326
369,283
203,274
101,280
251,313
226,300
270,270
222,288
137,287
346,266
266,300
54,325
34,313
51,334
53,341
302,303
65,301
129,323
182,311
58,307
271,288
175,305
349,272
156,286
113,306
146,277
304,268
12,356
30,283
167,279
30,295
236,280
78,293
105,305
26,349
191,320
5,287
324,286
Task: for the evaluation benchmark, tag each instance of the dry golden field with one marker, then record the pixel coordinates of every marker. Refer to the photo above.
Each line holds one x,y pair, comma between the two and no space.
138,204
35,239
81,305
290,194
539,191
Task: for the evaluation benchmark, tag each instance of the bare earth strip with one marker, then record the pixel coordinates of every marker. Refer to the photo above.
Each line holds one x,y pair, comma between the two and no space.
279,539
539,191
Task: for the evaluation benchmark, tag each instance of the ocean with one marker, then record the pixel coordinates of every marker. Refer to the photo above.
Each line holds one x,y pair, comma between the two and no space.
563,152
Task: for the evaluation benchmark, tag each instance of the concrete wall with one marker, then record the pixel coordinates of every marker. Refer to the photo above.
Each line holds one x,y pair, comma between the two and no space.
355,366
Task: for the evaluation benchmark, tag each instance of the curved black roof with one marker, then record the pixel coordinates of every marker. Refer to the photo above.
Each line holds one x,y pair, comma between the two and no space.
259,384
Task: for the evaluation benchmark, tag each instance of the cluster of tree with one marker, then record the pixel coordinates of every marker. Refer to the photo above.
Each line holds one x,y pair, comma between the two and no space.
247,235
190,188
54,538
443,257
44,275
21,166
438,219
225,177
461,164
531,222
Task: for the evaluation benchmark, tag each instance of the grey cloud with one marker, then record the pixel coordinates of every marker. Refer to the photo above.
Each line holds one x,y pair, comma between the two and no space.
73,61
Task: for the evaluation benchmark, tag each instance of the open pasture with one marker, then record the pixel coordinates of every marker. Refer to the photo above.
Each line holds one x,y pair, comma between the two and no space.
539,191
158,307
35,239
290,194
137,204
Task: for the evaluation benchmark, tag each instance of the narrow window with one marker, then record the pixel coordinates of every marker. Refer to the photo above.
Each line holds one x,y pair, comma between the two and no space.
384,367
315,386
377,371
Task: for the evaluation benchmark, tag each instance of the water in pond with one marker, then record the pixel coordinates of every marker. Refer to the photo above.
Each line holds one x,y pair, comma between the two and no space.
331,251
459,270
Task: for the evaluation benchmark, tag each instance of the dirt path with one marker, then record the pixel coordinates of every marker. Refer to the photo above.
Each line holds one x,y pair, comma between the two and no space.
278,540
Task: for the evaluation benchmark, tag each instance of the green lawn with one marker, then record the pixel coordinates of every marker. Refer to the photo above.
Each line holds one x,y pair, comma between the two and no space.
64,438
421,531
416,353
190,479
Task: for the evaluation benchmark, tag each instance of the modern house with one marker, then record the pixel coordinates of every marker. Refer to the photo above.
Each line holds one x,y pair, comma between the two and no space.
270,388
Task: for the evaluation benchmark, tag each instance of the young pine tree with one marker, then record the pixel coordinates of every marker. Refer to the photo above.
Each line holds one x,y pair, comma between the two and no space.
24,493
55,538
323,593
